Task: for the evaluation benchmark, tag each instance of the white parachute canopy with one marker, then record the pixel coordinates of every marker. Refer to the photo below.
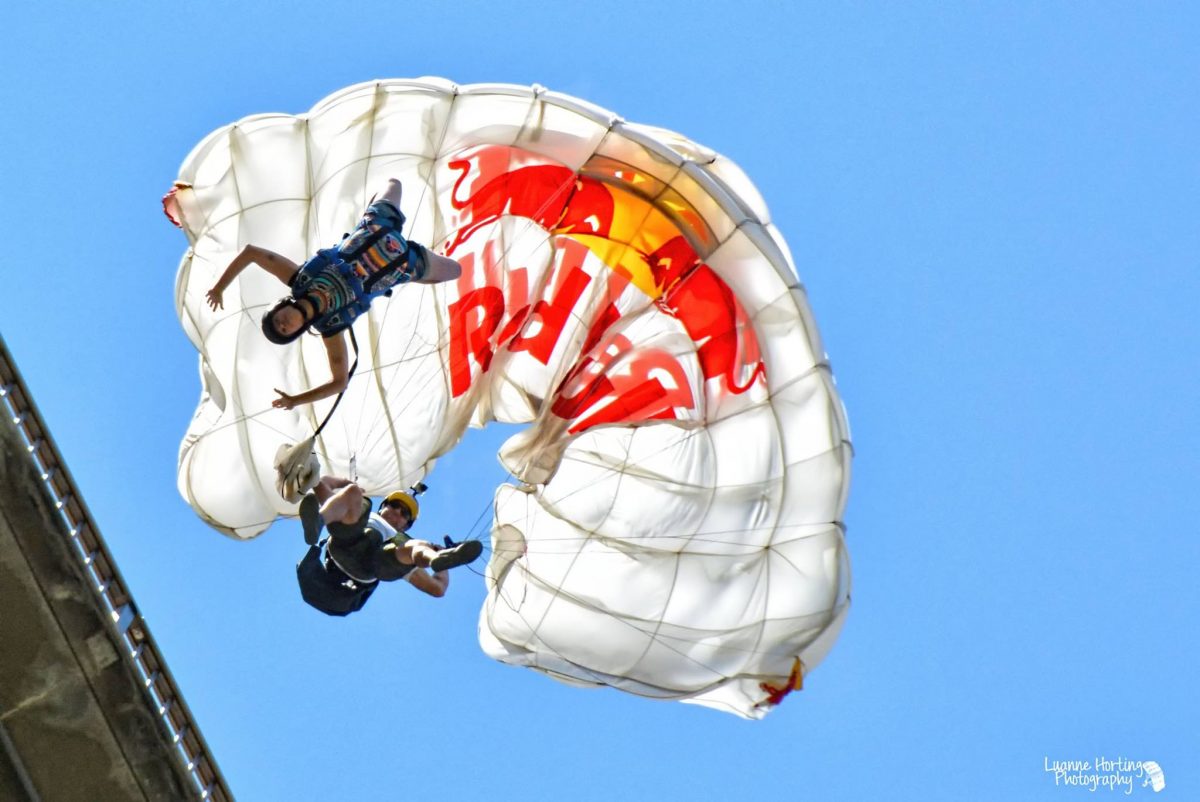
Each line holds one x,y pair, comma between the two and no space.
676,527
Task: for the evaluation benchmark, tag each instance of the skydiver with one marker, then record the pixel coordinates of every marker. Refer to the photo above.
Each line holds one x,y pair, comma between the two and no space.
339,574
331,289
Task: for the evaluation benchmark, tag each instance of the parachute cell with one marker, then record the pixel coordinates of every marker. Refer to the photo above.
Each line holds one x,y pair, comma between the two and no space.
675,528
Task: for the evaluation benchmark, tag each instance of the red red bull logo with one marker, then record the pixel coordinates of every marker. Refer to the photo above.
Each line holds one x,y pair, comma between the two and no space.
606,234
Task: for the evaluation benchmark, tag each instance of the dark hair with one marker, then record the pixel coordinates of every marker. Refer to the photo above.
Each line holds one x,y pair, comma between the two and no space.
268,323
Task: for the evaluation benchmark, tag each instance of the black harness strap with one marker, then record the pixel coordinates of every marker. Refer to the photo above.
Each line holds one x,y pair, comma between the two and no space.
389,267
370,240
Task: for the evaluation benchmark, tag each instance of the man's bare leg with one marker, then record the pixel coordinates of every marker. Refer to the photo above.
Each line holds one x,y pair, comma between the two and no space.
439,268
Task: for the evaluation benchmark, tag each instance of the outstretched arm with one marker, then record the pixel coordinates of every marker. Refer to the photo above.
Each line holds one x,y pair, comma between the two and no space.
278,266
339,371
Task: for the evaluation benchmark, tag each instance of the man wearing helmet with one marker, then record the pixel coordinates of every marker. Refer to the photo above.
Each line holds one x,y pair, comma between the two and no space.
364,548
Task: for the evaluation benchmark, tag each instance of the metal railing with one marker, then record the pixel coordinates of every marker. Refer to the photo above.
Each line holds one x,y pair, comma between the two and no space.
139,648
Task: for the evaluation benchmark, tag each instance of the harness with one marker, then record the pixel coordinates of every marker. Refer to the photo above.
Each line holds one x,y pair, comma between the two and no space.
327,587
364,292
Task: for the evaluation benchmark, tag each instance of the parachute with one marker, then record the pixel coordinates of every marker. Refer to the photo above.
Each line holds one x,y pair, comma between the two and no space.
673,527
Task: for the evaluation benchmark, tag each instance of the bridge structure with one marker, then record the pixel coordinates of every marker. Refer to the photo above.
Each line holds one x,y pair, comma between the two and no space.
88,708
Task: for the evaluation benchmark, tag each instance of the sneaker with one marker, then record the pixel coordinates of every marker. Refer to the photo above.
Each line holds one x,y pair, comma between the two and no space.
310,518
460,554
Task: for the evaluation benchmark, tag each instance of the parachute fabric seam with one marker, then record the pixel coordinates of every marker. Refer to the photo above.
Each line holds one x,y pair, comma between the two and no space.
766,565
557,591
627,621
374,327
725,553
235,150
624,617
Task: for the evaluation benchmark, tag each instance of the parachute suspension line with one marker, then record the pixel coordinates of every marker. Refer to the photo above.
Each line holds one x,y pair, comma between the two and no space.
697,538
384,413
254,417
655,637
355,440
475,532
652,636
666,641
358,437
425,185
558,589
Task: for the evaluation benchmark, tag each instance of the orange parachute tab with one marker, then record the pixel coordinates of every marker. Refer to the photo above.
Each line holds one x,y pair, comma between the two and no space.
775,695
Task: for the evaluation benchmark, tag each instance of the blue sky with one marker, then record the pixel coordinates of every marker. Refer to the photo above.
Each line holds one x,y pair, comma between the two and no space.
994,210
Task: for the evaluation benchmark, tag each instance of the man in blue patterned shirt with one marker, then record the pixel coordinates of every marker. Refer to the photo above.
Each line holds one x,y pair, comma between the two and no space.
334,287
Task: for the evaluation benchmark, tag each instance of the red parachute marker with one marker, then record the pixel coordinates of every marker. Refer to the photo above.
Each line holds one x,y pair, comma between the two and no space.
170,203
776,694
